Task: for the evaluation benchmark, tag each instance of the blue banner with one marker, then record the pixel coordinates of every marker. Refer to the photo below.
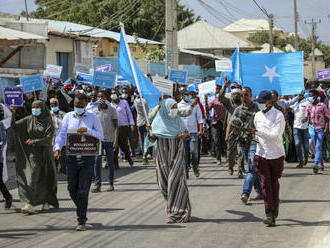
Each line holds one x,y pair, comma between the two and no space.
178,76
148,89
84,77
283,72
13,96
104,79
32,83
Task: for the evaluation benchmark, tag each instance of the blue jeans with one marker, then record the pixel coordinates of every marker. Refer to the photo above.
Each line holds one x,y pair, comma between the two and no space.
79,176
251,178
142,136
191,152
318,141
301,138
108,147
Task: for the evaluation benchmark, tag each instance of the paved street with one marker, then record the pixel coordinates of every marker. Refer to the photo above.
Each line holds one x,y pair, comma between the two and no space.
133,215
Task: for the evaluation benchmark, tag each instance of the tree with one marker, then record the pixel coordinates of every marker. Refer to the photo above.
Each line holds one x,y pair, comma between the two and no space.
281,41
146,18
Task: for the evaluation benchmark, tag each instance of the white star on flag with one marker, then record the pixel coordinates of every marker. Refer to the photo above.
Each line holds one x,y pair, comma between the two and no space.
270,73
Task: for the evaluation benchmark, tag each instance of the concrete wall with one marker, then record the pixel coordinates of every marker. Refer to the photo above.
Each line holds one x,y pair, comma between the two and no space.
319,65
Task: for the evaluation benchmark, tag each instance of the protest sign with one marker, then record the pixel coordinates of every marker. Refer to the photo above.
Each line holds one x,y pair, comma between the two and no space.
224,65
121,81
81,68
32,83
86,78
163,85
191,80
178,76
323,74
104,79
53,71
13,96
81,144
206,88
104,68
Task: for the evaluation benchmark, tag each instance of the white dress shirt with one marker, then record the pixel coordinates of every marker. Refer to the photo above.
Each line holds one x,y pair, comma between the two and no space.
192,120
269,133
299,109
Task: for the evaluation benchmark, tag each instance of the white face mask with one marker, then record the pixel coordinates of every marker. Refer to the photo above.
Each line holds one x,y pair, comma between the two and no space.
262,106
173,113
114,97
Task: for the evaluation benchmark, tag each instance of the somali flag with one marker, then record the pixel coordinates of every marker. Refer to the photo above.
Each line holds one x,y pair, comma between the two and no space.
283,72
148,90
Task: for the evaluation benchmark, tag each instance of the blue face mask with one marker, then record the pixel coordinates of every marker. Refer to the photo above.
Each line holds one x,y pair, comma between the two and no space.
262,106
36,111
187,98
55,109
79,111
89,93
311,99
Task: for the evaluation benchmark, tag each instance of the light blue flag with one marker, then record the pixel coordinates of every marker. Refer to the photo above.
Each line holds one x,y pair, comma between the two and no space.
192,87
233,76
283,72
148,89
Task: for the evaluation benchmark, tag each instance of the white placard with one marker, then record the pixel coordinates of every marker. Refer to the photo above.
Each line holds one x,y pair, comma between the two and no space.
206,88
163,85
53,71
81,68
224,65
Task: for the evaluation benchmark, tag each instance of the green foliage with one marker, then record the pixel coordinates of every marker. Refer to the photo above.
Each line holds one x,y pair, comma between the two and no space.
280,42
146,18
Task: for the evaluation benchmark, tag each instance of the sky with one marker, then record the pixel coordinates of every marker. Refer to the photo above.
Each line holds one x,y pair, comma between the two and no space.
222,12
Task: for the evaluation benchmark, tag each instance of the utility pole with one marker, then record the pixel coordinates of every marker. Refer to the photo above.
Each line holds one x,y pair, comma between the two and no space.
271,25
26,11
296,42
171,28
313,37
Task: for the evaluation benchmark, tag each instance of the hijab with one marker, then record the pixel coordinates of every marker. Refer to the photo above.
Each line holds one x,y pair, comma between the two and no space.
40,126
163,125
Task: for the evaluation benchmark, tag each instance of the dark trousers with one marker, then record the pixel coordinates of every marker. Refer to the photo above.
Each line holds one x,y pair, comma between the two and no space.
217,135
269,171
108,147
3,187
123,136
79,176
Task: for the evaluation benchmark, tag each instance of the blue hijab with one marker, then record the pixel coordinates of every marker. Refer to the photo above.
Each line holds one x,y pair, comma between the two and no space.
163,125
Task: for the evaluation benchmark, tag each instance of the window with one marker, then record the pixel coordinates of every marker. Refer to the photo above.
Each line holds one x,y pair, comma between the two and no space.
115,49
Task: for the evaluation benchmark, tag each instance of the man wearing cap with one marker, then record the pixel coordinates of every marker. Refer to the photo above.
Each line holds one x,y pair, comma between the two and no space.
269,159
231,104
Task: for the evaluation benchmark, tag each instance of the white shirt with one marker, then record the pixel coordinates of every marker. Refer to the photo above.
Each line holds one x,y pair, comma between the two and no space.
192,120
269,133
299,109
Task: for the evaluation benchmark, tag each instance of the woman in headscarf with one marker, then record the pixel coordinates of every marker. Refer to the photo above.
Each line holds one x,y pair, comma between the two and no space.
35,164
170,131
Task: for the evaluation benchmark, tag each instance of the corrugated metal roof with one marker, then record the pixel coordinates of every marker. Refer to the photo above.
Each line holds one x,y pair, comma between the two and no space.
246,25
208,55
12,36
202,35
79,29
265,49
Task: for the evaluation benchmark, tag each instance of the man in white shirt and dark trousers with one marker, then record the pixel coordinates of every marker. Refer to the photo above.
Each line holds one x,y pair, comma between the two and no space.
191,143
269,160
79,168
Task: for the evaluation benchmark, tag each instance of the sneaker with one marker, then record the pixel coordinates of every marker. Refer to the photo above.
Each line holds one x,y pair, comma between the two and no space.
169,220
28,209
300,166
96,189
269,221
111,188
231,171
145,161
244,198
8,202
196,174
45,207
149,156
315,170
219,163
81,227
131,163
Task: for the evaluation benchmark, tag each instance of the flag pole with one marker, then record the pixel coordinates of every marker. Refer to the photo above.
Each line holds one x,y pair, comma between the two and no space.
238,68
122,28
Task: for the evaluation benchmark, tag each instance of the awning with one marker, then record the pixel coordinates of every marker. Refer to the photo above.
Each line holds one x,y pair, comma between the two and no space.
12,37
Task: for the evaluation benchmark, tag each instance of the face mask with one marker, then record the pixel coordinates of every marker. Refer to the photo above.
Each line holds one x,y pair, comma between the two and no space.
55,109
262,106
79,111
84,87
173,113
114,97
124,96
187,98
89,94
36,111
311,99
